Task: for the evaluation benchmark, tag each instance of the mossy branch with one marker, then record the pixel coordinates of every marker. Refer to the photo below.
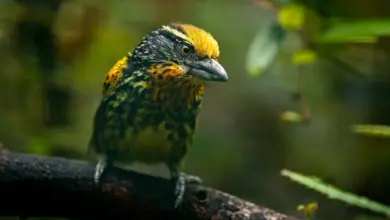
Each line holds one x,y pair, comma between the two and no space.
39,186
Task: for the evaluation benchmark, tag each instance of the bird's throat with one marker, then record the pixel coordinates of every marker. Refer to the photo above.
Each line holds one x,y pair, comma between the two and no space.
181,94
171,85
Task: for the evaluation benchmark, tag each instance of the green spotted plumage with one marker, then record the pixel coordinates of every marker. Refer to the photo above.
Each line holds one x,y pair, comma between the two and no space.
151,100
132,127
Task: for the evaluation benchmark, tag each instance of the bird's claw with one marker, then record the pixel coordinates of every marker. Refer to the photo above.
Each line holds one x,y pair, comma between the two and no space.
192,179
180,186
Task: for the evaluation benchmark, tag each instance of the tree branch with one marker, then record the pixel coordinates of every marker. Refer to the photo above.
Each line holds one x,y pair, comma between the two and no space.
39,186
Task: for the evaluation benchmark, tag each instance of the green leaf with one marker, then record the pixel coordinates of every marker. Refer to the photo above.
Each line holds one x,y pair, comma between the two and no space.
264,48
304,56
292,16
308,209
335,193
372,130
346,39
365,31
290,116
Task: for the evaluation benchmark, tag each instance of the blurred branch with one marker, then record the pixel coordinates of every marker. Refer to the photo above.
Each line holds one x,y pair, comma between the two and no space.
33,37
349,69
39,186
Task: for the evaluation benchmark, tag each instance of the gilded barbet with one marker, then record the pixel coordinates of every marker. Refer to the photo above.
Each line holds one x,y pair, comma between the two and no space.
151,100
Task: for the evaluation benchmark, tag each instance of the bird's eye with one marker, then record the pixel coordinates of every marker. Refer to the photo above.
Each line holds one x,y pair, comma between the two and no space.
185,49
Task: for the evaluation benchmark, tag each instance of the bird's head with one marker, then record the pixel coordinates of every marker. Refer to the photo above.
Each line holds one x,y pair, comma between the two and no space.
180,52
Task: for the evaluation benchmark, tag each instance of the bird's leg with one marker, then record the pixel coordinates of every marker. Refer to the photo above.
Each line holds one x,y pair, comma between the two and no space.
179,182
99,170
102,168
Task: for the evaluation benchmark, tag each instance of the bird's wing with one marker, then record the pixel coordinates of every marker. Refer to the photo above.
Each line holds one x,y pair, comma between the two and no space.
122,69
107,111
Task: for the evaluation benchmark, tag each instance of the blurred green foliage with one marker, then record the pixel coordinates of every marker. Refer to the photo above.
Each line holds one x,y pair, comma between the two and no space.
267,44
334,193
264,48
355,31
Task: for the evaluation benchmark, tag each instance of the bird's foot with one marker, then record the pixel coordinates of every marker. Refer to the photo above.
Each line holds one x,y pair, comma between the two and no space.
192,179
100,179
99,172
180,187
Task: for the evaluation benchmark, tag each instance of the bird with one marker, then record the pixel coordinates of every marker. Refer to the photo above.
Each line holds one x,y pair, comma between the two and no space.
151,100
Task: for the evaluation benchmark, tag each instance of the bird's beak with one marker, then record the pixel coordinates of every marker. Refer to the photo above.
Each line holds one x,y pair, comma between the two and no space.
208,69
